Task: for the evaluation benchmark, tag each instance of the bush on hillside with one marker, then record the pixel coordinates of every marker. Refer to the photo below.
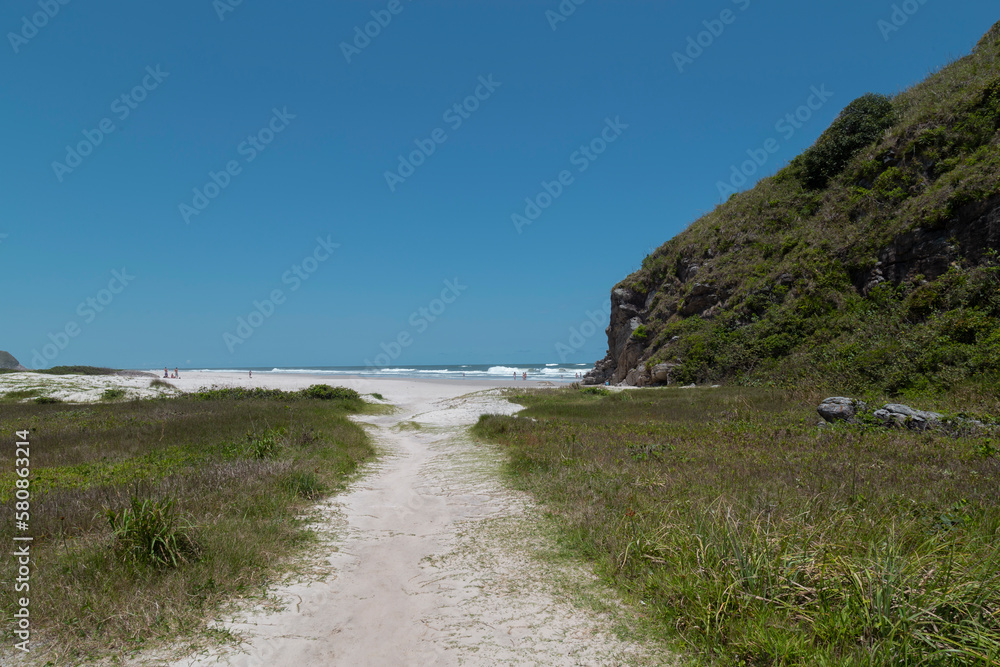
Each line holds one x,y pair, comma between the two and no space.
861,123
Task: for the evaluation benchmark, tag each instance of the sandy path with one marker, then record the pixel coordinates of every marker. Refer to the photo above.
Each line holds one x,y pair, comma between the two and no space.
430,560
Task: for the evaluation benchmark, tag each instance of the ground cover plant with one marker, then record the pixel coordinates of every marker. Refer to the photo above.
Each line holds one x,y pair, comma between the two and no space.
754,537
147,515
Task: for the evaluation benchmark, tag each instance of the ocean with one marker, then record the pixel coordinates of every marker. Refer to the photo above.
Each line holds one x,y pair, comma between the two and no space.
551,372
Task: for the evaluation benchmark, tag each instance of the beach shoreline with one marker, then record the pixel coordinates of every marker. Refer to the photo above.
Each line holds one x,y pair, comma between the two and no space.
287,381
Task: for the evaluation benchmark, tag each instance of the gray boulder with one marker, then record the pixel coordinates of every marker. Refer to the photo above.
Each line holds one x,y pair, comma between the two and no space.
839,408
661,372
896,414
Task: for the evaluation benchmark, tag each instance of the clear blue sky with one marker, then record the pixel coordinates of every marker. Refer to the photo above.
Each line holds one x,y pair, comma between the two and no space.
218,81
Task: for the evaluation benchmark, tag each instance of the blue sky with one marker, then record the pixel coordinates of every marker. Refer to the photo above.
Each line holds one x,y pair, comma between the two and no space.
152,99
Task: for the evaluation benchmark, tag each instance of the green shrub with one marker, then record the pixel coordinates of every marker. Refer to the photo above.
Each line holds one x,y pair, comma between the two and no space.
113,394
47,400
325,392
149,532
239,394
596,391
77,370
861,123
258,445
640,333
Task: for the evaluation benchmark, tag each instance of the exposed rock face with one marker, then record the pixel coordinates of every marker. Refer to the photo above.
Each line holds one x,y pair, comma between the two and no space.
975,229
628,311
701,298
838,408
8,362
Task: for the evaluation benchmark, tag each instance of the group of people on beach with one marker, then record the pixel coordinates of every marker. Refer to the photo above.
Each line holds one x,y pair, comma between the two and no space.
167,375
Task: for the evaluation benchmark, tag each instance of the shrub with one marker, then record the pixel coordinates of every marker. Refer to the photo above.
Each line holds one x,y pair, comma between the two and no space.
239,394
149,532
258,445
47,399
113,394
861,123
641,333
77,370
597,391
325,392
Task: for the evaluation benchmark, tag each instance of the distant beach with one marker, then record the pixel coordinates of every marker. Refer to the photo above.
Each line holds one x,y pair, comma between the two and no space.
535,372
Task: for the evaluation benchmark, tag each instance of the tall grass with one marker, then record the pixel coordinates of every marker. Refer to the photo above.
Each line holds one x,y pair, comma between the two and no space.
756,538
146,516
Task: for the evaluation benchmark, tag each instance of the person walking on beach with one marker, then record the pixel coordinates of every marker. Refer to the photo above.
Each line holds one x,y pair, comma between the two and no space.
177,373
251,375
165,373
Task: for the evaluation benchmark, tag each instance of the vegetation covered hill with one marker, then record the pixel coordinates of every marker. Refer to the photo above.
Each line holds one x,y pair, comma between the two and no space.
868,263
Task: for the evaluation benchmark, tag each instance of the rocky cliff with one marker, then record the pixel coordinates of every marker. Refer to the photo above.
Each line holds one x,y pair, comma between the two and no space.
8,362
870,260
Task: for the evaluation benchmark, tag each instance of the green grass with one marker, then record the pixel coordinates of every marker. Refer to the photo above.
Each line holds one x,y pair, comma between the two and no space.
147,516
752,537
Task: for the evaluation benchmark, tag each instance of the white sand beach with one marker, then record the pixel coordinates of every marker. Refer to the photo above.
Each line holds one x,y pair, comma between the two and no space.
89,388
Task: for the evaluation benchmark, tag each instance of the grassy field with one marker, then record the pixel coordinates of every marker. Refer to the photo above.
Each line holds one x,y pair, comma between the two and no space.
751,536
148,515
